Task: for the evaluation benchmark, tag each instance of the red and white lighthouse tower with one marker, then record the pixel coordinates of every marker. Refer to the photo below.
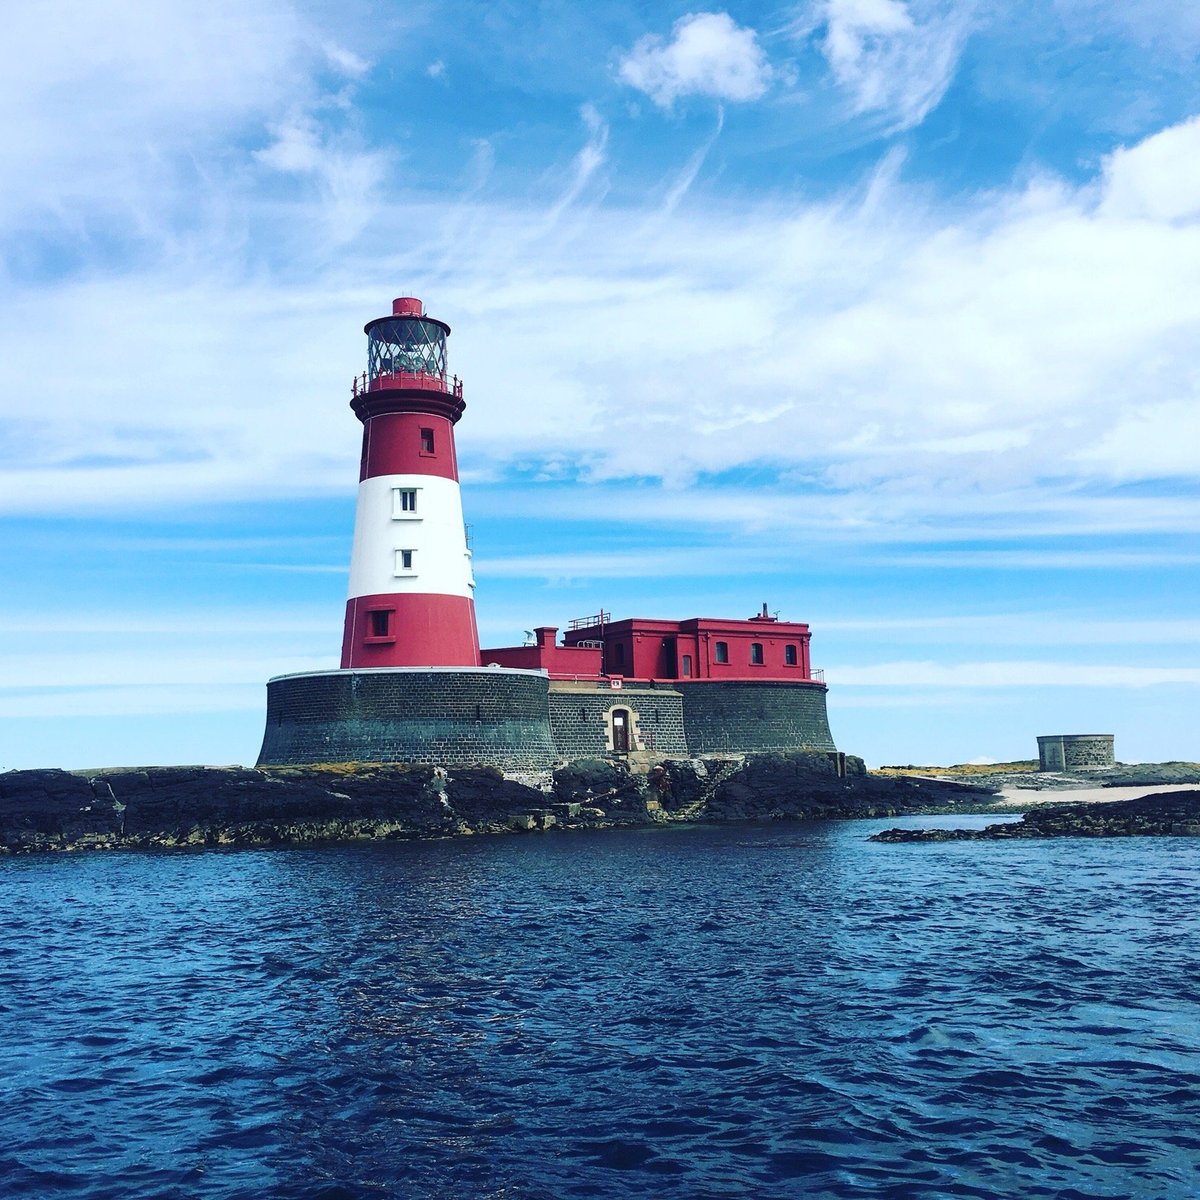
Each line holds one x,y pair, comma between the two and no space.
411,602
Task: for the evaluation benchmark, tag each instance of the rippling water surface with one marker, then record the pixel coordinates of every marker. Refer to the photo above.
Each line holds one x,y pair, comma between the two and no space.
756,1011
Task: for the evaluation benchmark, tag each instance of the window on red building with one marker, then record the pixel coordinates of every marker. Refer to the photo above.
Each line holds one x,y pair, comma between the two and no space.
722,652
687,666
426,441
789,656
381,622
756,653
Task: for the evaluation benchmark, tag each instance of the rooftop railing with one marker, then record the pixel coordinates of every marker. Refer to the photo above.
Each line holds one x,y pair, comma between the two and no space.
601,618
422,380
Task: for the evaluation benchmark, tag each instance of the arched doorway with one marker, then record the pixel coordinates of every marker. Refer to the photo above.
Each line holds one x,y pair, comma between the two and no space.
620,730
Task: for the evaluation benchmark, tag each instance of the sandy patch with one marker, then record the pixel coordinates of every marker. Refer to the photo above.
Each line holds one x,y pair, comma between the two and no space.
1015,797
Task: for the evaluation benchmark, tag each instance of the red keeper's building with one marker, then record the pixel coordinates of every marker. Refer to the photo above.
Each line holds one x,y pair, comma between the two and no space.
759,649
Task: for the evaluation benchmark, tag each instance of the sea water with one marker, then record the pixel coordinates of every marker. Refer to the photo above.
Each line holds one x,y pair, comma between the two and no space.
784,1010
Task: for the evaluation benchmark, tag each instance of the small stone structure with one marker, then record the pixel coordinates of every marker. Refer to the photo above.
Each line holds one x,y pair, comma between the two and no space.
1075,751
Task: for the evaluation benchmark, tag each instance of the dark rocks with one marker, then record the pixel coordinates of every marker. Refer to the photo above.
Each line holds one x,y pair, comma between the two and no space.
594,778
49,807
168,807
930,835
686,783
1162,814
806,785
1151,775
216,806
609,786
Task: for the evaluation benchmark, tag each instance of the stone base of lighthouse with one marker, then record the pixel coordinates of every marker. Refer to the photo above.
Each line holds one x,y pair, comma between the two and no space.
520,721
451,716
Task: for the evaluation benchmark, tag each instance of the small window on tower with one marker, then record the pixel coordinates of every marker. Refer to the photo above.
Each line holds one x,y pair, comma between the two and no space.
426,441
722,652
404,562
687,666
404,502
756,654
789,655
379,622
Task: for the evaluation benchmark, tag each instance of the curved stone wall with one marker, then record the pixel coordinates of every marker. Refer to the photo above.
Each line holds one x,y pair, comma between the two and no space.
1075,751
455,716
749,716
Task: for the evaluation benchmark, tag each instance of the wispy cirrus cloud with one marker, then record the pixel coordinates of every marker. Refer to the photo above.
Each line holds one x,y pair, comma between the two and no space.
995,366
587,162
893,58
134,124
348,176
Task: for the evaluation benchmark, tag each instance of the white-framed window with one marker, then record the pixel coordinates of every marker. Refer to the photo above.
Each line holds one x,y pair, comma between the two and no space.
405,504
406,562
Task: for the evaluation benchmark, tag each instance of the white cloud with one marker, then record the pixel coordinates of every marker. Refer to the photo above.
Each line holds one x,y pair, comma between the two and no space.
587,162
895,372
708,55
1158,179
889,61
1016,629
348,177
910,675
1170,27
140,700
126,118
1154,439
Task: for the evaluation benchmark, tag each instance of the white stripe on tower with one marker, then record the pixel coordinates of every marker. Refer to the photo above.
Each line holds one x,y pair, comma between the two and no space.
410,599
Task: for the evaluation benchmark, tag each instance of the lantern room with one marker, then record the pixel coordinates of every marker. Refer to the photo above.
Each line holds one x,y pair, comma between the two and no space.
407,349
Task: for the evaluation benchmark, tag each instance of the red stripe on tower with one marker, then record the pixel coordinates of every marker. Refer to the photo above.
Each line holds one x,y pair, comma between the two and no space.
411,588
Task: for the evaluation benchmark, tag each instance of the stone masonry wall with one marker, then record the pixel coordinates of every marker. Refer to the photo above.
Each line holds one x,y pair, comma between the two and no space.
459,716
752,717
513,719
1075,751
581,721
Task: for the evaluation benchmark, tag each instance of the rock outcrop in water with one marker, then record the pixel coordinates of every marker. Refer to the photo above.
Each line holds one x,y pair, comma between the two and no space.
173,807
1159,815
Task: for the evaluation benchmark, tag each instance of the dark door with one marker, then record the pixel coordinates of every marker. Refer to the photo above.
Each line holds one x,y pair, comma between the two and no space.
620,726
670,666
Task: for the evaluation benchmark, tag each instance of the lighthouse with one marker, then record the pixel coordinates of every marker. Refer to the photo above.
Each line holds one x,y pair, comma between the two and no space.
411,585
412,687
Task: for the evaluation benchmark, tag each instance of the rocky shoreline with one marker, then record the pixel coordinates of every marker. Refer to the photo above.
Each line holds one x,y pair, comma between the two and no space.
1161,814
1025,776
197,807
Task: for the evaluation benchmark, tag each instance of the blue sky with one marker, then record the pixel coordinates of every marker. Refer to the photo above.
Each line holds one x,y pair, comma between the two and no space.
883,313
